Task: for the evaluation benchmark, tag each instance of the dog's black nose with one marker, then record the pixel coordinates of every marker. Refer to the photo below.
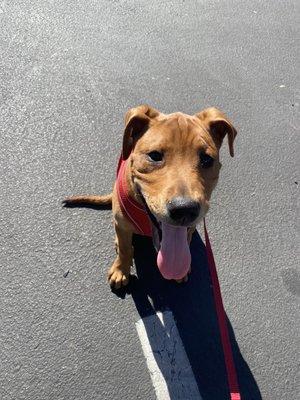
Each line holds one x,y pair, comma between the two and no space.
183,210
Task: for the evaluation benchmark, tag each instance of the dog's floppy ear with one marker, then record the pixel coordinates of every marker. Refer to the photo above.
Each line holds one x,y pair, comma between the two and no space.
218,126
137,121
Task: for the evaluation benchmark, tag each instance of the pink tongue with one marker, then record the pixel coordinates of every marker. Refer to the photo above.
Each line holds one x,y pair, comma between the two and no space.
174,257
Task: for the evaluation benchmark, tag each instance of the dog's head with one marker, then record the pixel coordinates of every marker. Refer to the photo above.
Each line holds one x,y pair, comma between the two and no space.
174,160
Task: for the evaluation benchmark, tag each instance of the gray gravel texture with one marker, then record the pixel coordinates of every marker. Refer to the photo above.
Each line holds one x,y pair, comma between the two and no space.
68,72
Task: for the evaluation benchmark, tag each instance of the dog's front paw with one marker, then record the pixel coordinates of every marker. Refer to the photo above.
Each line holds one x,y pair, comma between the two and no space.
185,279
118,276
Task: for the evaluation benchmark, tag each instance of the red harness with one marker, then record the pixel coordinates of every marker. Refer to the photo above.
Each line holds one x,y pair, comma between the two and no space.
138,216
133,210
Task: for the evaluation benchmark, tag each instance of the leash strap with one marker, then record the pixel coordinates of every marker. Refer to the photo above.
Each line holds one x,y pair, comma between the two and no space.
223,328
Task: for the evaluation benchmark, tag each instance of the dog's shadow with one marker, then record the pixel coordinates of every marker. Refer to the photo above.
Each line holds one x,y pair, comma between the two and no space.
192,306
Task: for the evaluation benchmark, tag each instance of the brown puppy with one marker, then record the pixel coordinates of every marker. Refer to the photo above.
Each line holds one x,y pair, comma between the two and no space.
172,166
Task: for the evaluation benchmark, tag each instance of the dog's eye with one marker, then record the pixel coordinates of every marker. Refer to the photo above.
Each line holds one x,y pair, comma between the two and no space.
155,156
206,161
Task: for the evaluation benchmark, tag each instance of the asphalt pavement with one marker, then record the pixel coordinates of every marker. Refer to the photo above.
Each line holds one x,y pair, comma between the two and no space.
69,70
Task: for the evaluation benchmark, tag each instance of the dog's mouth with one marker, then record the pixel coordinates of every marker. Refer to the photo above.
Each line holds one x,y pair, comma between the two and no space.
171,244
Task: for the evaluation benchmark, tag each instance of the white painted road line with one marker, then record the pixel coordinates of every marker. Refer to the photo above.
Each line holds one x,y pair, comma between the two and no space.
169,367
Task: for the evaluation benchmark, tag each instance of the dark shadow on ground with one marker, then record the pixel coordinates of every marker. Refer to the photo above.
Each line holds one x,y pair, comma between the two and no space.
192,305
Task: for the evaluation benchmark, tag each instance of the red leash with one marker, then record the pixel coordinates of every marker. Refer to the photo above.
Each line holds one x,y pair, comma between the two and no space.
229,362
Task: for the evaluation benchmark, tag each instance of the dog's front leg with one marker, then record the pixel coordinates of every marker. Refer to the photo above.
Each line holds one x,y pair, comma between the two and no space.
118,274
190,233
